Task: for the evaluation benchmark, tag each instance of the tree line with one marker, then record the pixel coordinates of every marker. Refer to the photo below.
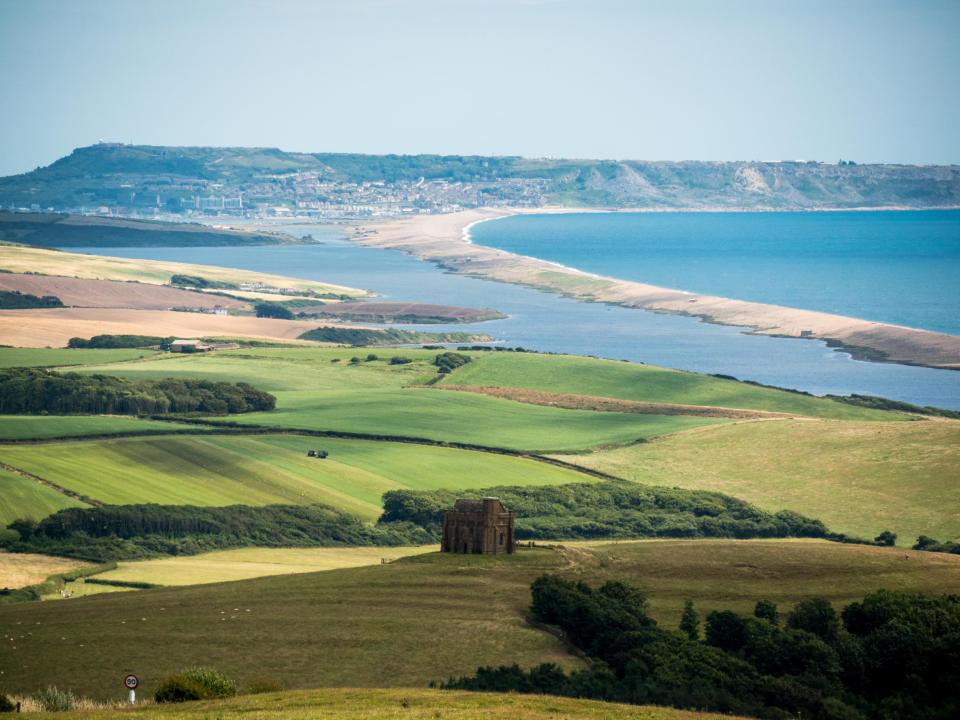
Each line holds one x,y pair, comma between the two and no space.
16,300
36,390
130,532
610,509
892,655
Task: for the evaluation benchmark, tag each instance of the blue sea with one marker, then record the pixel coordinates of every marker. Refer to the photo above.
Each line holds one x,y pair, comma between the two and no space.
548,322
895,267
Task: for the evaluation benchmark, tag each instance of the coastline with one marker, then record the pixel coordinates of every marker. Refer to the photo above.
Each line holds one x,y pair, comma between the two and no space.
445,241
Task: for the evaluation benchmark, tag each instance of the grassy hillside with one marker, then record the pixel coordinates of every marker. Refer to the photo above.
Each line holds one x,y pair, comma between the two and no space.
58,357
420,618
412,704
41,427
16,258
315,393
60,230
632,381
247,563
21,497
407,703
859,478
267,469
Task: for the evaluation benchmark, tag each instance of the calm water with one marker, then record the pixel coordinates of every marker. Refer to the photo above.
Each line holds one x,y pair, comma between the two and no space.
549,322
895,267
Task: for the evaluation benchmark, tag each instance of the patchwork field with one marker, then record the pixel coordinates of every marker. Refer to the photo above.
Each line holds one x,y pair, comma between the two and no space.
60,357
633,381
113,294
22,497
247,563
420,618
858,477
407,703
42,427
268,469
20,570
20,259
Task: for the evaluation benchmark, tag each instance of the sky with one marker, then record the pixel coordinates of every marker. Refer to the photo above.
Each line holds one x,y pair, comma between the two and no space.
871,81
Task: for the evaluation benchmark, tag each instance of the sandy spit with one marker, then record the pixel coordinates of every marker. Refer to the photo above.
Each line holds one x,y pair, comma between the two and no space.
444,240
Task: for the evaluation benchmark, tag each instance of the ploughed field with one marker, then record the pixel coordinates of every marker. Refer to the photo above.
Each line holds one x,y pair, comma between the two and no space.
420,618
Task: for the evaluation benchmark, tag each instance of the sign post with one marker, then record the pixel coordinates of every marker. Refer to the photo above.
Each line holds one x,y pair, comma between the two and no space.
130,682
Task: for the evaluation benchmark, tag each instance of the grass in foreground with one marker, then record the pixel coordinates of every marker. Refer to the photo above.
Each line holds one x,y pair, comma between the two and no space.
405,703
633,381
858,478
266,469
420,618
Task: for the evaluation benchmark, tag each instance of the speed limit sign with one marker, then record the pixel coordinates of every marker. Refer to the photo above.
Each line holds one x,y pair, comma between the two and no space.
130,682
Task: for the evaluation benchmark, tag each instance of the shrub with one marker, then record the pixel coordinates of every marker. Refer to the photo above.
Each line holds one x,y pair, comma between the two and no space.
198,683
371,357
397,360
6,705
273,310
53,699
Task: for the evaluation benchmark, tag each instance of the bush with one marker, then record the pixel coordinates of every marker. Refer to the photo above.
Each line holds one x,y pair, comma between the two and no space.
273,310
53,699
450,361
6,705
371,357
397,360
197,683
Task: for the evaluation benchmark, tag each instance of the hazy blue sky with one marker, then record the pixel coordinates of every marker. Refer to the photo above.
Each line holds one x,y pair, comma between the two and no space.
680,79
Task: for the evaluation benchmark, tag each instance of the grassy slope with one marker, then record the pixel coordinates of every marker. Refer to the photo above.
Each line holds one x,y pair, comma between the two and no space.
632,381
21,497
406,703
41,427
420,618
314,393
53,357
260,470
247,563
859,478
18,258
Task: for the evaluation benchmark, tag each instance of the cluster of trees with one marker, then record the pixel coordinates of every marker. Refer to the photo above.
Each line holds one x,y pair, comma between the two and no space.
120,341
449,361
879,403
893,655
609,510
273,310
16,300
36,390
128,532
925,542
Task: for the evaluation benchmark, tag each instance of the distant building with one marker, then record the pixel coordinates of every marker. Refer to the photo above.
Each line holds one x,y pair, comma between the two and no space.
189,346
482,527
806,333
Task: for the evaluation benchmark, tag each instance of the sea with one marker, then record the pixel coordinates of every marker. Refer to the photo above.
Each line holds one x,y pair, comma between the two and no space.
549,322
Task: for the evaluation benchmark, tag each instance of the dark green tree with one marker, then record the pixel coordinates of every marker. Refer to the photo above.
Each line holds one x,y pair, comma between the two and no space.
690,621
767,610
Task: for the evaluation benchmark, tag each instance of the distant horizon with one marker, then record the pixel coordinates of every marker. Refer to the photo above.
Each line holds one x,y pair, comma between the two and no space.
873,81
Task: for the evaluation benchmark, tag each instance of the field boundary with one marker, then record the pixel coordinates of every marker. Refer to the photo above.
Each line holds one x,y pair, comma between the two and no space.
53,486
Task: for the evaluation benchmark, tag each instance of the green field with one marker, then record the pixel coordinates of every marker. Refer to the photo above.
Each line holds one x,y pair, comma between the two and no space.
22,497
268,469
57,357
43,427
406,703
859,478
421,618
314,393
633,381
